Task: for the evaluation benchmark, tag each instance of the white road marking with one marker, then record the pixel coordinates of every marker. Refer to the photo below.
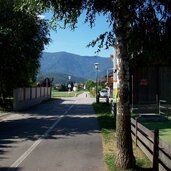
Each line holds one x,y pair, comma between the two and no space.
36,143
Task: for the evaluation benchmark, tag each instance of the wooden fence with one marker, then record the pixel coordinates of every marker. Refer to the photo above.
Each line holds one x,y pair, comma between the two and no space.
149,142
163,109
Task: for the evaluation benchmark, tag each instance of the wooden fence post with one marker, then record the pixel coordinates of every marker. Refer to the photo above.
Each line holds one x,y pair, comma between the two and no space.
136,129
156,150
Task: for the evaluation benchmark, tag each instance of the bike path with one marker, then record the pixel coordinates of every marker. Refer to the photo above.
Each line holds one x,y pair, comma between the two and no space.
69,140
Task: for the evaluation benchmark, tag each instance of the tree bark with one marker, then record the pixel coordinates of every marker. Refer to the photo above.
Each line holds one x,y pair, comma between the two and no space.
125,158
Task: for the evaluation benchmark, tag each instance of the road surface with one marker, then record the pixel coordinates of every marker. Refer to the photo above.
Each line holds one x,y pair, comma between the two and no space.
60,135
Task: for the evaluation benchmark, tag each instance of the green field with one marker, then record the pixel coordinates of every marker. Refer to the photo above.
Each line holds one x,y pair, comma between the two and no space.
164,129
56,94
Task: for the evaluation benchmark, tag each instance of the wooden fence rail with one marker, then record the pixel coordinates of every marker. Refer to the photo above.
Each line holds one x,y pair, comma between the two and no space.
163,108
155,148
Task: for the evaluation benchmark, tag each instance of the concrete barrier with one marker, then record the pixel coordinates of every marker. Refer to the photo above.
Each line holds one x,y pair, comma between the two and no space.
27,97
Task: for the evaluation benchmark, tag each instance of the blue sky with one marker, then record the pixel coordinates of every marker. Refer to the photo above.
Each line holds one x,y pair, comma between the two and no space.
75,42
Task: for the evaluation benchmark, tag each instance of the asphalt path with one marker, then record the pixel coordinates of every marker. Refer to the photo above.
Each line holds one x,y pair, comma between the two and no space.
60,135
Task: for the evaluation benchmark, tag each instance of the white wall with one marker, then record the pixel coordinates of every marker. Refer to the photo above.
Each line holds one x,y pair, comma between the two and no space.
27,97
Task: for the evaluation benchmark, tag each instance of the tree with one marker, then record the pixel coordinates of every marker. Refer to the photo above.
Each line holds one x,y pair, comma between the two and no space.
89,85
128,20
147,35
22,38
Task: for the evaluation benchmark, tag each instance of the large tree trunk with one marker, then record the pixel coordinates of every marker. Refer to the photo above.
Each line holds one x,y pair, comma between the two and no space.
125,158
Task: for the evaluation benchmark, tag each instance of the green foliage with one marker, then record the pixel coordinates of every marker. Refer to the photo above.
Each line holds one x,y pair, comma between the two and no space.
22,38
146,23
148,32
101,85
62,87
89,85
81,87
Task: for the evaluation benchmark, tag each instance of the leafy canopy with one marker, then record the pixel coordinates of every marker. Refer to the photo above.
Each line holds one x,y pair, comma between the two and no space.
147,22
22,38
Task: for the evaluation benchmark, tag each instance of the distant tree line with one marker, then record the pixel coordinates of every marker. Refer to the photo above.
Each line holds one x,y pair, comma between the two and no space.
65,87
91,86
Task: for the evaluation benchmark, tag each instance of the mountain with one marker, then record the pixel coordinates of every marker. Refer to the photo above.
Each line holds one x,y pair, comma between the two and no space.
72,64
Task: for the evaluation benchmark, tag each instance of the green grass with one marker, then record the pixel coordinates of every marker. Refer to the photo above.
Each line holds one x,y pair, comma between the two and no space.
56,94
109,159
107,126
164,129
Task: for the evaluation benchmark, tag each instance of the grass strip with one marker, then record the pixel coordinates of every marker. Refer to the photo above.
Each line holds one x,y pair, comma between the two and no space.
56,94
108,127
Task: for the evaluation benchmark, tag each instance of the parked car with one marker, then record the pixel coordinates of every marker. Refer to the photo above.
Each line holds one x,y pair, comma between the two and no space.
104,93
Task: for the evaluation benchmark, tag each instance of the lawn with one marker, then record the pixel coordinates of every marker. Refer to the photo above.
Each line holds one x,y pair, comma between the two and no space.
164,129
56,94
107,126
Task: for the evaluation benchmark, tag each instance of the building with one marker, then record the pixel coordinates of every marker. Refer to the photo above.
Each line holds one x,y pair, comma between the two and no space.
150,79
149,84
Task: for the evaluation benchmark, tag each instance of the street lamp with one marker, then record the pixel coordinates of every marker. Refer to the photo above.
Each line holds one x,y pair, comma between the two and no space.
97,69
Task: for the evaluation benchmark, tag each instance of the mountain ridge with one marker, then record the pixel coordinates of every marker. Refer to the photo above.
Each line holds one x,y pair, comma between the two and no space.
73,64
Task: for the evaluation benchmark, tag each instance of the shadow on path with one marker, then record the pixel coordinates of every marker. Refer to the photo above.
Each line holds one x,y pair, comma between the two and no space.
79,120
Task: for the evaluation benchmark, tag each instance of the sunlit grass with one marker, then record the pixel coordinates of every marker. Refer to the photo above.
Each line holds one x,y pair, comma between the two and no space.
107,126
56,94
164,128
